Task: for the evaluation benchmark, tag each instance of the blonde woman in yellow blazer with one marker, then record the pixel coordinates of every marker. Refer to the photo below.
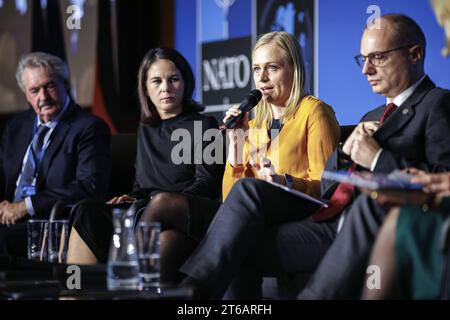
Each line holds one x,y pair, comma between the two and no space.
289,141
297,155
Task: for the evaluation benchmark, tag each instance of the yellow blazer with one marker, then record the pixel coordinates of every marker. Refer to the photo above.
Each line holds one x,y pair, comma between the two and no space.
301,149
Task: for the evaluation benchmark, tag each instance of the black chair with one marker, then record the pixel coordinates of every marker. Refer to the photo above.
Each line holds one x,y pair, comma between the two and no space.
60,210
123,155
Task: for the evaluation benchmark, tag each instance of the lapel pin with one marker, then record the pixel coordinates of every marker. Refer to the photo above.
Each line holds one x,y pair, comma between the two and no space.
405,112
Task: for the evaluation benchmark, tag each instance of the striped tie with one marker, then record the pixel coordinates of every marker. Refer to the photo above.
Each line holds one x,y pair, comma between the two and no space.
32,162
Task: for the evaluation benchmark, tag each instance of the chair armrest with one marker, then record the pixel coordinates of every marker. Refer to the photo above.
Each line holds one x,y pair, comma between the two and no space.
60,209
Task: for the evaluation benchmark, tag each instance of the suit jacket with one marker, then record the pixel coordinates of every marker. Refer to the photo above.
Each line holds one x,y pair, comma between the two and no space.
76,164
417,134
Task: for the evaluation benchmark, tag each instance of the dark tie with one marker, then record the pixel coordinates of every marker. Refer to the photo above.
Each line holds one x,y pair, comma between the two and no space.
344,191
32,161
387,112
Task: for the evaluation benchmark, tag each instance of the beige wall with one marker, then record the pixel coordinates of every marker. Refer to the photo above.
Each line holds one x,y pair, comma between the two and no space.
15,40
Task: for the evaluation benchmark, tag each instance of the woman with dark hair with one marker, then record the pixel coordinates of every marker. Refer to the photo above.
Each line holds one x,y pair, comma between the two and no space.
166,84
149,113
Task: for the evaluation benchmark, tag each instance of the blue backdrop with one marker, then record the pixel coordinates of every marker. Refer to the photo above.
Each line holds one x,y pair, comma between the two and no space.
340,25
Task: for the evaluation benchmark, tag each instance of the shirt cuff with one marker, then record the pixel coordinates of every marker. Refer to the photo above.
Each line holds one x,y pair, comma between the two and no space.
375,160
29,205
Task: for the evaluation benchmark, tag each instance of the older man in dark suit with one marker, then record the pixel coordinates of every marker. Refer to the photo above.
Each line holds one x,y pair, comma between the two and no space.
53,151
255,232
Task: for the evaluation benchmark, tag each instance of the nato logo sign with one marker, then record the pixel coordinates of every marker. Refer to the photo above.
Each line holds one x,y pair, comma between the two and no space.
227,72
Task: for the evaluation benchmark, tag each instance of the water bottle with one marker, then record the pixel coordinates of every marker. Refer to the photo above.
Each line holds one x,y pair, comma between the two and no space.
123,266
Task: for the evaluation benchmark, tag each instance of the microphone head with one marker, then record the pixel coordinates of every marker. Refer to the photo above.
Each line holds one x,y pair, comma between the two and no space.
255,94
251,100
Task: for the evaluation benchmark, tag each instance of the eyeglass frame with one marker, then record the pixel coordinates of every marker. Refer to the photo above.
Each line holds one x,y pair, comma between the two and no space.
370,56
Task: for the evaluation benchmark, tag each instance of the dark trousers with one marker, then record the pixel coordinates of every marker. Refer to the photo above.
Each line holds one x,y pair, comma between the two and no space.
260,230
341,273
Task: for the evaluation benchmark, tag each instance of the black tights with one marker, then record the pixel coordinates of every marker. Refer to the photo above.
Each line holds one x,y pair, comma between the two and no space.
172,211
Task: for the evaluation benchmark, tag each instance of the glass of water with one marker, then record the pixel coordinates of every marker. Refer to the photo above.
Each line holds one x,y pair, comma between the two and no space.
37,234
148,243
58,241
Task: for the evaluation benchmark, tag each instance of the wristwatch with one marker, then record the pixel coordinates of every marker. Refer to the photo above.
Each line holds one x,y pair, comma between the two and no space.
289,180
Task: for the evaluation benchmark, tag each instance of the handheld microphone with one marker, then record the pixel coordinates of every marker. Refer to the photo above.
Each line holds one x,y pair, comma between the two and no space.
246,105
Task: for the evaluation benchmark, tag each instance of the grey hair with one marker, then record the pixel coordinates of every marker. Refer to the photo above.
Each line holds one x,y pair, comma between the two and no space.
53,64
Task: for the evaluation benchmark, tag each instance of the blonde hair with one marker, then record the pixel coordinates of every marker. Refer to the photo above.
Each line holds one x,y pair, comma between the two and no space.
292,53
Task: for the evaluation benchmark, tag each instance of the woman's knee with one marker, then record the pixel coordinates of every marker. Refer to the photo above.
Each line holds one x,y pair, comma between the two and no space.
248,190
250,184
390,222
165,206
387,234
244,203
168,200
155,207
161,198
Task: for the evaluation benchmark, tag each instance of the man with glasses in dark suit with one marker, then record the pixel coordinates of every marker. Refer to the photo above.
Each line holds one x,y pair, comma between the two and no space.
416,135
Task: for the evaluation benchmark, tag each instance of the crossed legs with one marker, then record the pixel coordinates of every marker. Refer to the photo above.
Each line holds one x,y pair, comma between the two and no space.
90,237
172,211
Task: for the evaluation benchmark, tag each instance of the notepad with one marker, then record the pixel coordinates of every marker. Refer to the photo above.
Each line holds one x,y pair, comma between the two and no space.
398,180
302,195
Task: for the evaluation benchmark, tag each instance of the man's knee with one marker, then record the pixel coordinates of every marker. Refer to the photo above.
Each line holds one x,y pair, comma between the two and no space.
367,208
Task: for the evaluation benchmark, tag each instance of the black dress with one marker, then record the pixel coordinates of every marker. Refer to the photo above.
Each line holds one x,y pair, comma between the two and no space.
169,159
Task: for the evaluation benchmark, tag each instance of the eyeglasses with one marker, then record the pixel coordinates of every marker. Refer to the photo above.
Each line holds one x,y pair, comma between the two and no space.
377,58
